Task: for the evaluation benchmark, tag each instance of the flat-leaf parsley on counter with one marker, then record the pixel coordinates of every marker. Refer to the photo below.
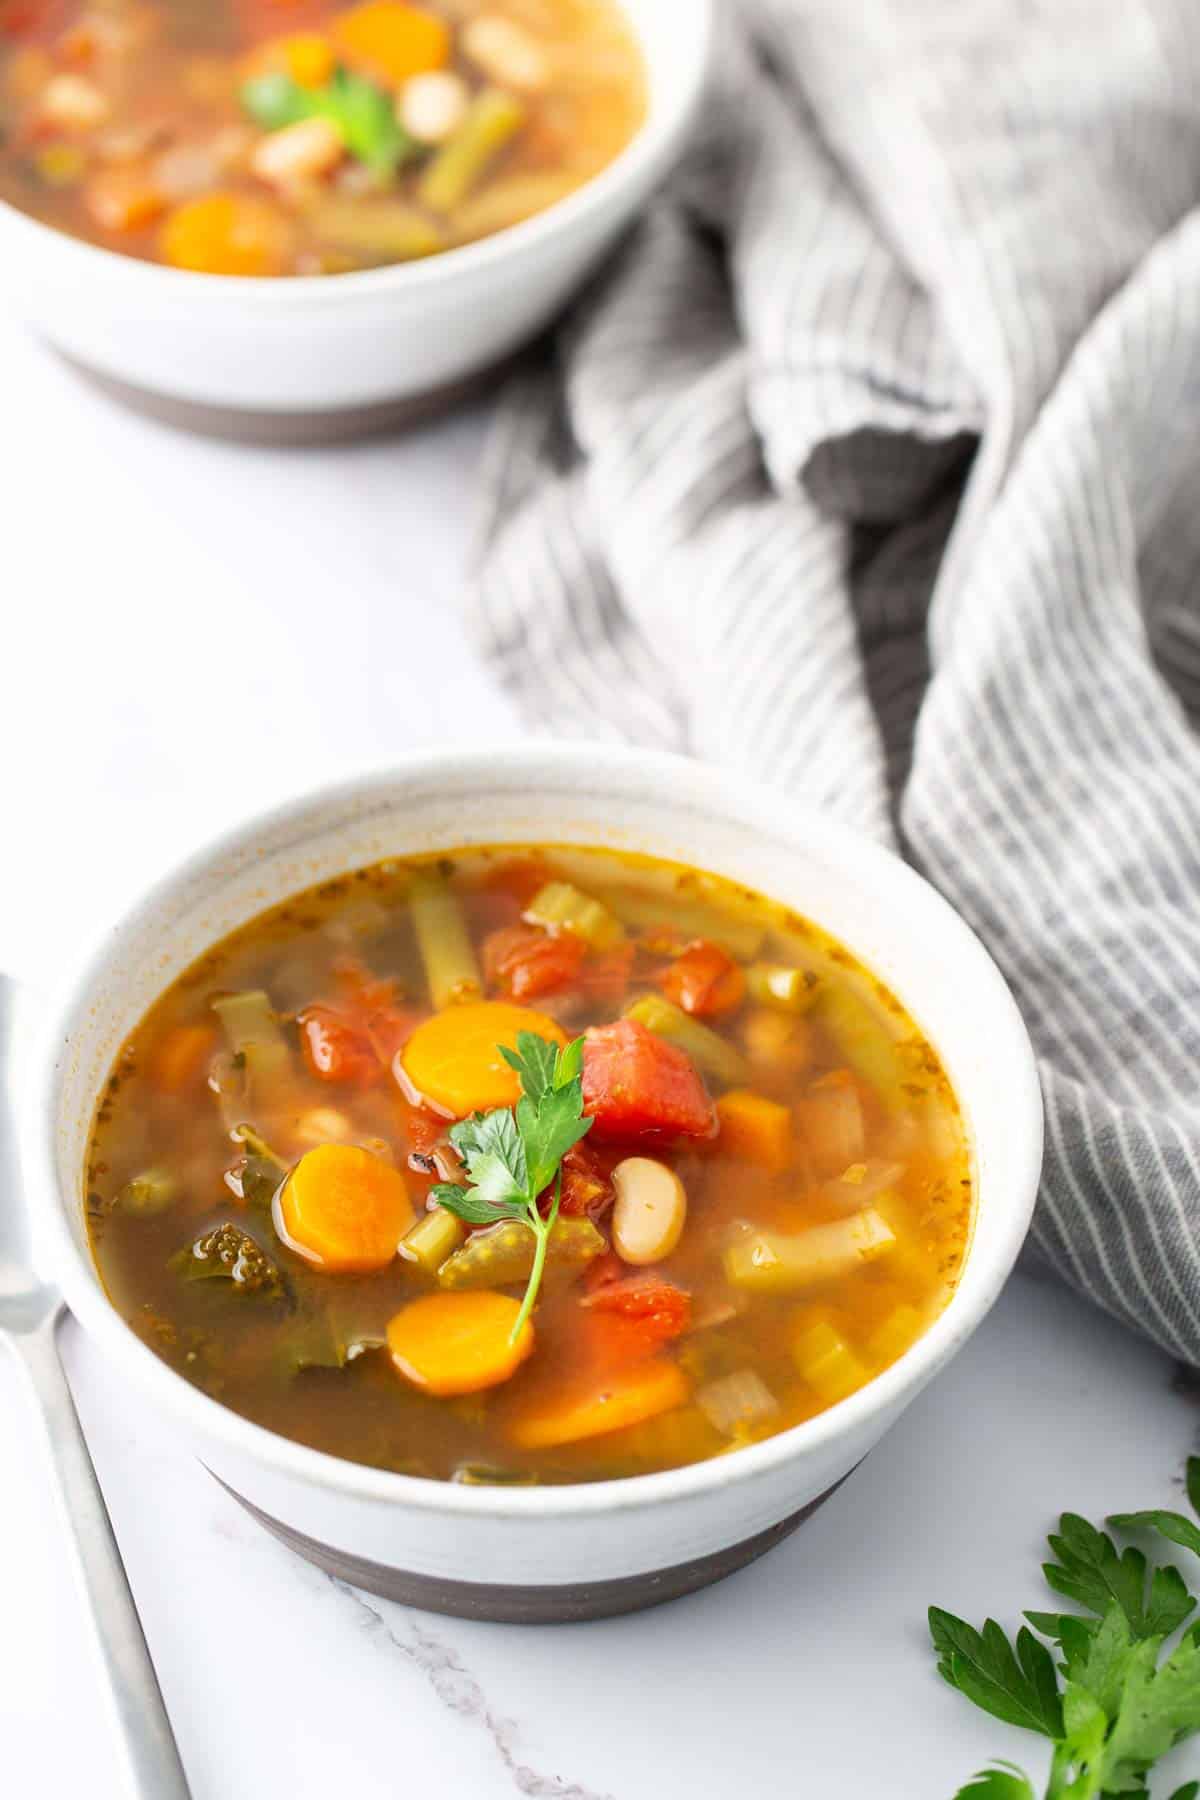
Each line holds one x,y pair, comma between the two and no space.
1117,1699
513,1154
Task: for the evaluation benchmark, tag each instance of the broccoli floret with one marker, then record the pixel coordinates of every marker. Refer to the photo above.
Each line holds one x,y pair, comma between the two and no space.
229,1253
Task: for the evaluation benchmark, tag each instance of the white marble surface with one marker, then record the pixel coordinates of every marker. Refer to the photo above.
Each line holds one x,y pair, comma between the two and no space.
190,631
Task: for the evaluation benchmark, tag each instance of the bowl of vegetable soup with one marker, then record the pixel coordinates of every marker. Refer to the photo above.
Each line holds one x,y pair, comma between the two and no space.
532,1184
297,221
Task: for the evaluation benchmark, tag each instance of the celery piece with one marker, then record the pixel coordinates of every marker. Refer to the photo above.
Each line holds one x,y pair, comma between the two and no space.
153,1191
492,122
892,1338
503,1253
434,1237
711,1053
742,937
767,1262
255,1036
826,1361
788,990
866,1044
737,1403
560,907
443,940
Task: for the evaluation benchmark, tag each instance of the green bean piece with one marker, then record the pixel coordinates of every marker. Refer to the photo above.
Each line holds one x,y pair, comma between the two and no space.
743,938
434,1237
503,1254
711,1053
151,1192
443,940
492,122
560,907
377,228
866,1044
770,1262
470,1474
787,990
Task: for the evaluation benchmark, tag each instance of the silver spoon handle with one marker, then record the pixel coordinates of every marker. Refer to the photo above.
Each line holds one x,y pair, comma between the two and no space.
152,1766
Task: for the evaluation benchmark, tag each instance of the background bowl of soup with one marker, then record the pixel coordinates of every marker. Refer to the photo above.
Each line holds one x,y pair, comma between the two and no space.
302,222
568,1548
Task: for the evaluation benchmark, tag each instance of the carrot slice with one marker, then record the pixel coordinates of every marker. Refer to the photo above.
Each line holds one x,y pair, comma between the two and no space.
227,234
626,1397
454,1057
344,1209
123,200
756,1128
392,40
458,1343
181,1058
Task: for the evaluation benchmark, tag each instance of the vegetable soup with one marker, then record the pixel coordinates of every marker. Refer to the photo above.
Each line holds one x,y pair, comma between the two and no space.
304,137
520,1166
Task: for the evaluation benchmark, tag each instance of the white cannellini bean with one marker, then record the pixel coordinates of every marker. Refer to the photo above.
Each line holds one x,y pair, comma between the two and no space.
186,170
310,147
649,1212
505,53
431,107
323,1125
73,102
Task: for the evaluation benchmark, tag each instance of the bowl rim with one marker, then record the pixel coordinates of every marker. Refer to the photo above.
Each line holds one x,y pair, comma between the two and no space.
673,780
641,160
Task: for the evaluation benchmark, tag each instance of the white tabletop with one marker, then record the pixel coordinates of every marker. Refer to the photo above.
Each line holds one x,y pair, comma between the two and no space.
199,630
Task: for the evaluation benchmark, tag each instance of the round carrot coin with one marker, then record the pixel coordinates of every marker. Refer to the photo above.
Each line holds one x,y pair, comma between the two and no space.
343,1209
458,1343
454,1060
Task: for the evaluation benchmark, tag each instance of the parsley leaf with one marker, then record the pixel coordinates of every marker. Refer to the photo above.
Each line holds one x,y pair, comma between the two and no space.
1090,1571
1114,1703
514,1154
362,112
467,1204
1001,1782
1170,1525
1018,1686
492,1148
535,1060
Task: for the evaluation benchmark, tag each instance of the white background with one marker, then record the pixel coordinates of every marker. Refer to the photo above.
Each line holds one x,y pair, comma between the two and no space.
191,631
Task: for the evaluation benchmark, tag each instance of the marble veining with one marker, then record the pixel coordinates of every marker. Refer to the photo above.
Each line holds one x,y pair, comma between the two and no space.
460,1692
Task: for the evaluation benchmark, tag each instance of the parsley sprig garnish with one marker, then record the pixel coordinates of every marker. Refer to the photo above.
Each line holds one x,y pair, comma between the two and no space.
513,1154
1116,1698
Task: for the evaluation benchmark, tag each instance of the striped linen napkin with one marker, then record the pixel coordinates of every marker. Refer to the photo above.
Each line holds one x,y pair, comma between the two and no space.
872,466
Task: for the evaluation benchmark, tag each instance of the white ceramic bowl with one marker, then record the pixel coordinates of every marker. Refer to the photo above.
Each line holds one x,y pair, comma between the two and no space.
325,354
597,1547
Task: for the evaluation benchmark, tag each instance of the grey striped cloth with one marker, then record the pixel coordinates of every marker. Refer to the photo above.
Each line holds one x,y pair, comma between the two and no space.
872,464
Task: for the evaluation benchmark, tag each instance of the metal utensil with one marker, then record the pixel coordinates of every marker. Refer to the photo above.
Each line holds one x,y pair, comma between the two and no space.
30,1313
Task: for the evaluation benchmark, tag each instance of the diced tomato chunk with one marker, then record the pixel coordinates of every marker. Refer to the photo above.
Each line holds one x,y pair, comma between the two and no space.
523,961
360,990
336,1049
637,1085
605,1269
704,980
586,1188
606,977
422,1129
632,1319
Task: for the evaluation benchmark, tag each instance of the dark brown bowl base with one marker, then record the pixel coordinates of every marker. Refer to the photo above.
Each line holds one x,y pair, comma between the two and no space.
282,430
503,1604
